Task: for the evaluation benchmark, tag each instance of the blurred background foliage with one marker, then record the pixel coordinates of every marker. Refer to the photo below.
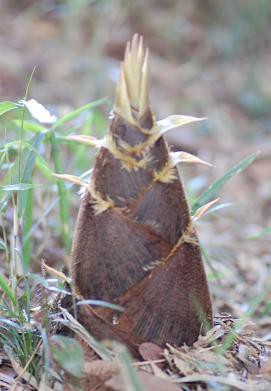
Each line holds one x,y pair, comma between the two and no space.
208,58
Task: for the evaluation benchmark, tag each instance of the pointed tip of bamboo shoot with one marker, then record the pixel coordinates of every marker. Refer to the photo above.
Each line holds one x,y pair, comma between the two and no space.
70,178
175,121
132,92
203,209
185,157
88,140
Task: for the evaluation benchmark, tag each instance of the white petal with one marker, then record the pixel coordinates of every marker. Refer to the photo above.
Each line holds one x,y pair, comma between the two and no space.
39,112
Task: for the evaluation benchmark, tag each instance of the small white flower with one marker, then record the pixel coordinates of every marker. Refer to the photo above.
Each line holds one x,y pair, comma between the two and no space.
39,112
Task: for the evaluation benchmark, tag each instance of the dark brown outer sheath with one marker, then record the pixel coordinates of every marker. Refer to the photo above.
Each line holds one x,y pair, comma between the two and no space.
141,252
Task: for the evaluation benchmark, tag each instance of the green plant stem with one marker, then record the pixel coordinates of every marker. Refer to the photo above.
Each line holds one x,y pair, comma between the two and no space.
12,272
22,123
5,241
28,221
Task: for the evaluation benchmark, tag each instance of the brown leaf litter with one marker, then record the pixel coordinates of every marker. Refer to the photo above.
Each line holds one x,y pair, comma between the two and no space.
225,358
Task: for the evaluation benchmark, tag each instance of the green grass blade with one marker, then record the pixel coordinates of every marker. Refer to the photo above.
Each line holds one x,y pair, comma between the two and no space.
100,124
77,112
44,169
67,352
49,209
19,187
22,124
75,326
46,352
15,145
8,106
80,150
7,290
101,303
2,245
253,307
30,126
214,189
62,193
260,234
266,311
130,377
28,222
204,253
22,171
9,322
27,167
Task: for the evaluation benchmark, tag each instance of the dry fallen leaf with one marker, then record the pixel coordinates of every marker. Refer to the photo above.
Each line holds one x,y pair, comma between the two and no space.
148,382
265,366
101,369
244,356
97,372
150,351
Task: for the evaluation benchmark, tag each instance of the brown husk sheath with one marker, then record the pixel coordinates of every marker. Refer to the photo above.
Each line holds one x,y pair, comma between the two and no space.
135,243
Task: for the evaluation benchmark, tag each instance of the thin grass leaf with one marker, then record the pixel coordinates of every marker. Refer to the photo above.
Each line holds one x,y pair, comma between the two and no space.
214,189
3,246
30,126
62,193
68,353
16,145
22,124
8,106
217,276
24,173
46,352
99,123
7,290
48,210
28,163
204,253
130,377
75,326
39,279
80,150
219,207
9,323
2,157
77,112
43,168
5,308
213,380
7,340
101,303
28,222
233,334
59,290
19,187
266,311
21,372
25,199
265,231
